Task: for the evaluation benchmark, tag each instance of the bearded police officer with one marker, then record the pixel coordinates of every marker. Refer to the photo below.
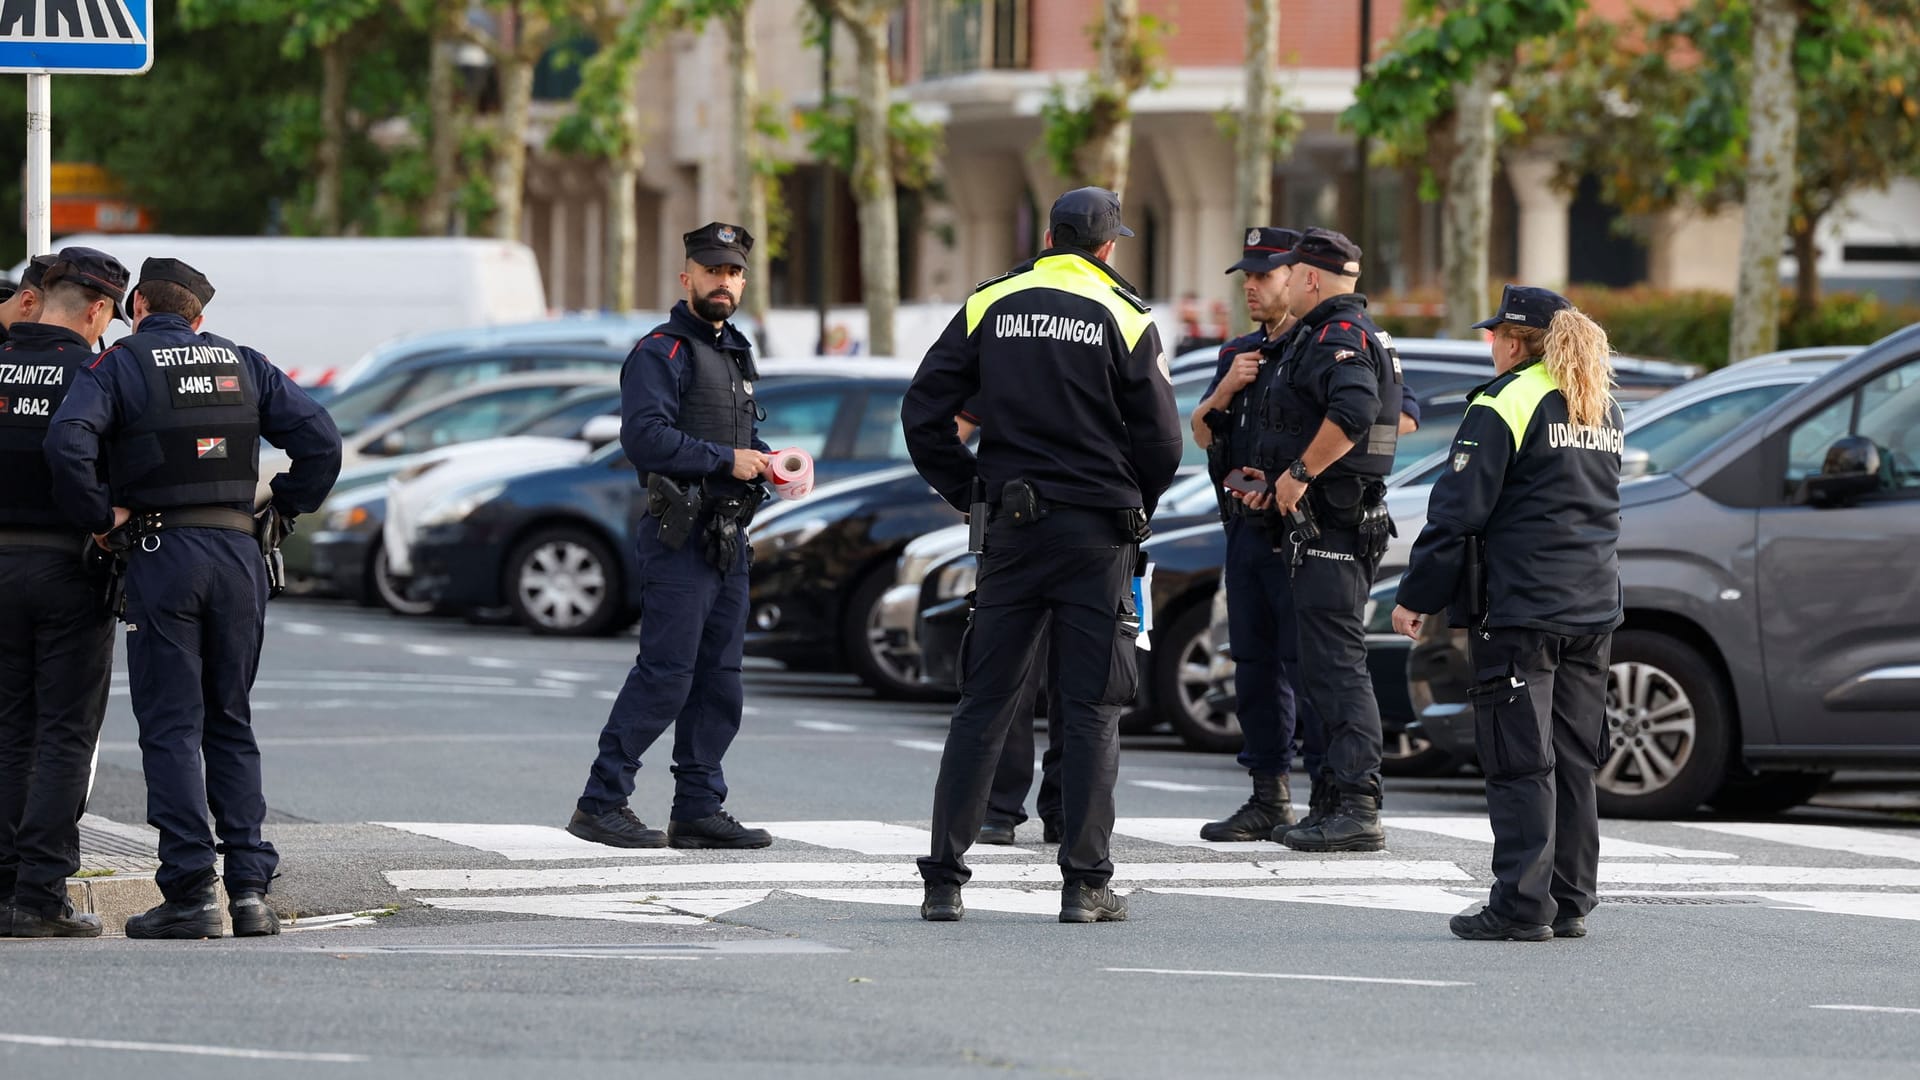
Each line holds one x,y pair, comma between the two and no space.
691,428
1083,441
1331,418
21,303
1535,486
173,418
56,635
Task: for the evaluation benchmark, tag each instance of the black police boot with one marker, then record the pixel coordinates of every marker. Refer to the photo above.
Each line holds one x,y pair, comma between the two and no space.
63,923
942,904
194,916
996,831
1050,831
1484,925
1322,798
251,915
716,830
1269,811
1081,903
1570,926
1354,825
615,828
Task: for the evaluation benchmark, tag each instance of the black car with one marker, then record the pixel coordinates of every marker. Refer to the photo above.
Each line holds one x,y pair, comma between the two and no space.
556,545
419,378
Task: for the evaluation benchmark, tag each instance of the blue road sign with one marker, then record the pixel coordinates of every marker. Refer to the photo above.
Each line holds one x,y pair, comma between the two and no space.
78,37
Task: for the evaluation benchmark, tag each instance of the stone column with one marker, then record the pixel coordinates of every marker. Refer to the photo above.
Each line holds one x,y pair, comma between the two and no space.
1544,225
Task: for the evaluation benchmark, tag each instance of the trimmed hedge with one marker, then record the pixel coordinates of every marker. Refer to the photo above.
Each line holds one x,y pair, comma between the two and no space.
1694,326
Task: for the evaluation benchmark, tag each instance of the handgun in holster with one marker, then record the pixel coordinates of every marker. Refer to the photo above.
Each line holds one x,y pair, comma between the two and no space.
271,529
111,565
677,506
1476,582
977,516
731,515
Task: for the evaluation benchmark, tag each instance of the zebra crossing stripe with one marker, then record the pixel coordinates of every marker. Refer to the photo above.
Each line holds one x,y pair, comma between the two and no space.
1822,837
1427,898
524,842
1479,830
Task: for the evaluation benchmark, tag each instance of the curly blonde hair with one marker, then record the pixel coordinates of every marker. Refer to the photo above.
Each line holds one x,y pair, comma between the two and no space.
1578,356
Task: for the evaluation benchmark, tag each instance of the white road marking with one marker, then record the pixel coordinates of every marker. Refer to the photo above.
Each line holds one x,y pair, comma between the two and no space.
677,909
1875,905
1427,898
363,639
1824,837
183,1048
450,689
495,662
1280,975
304,629
1686,874
1478,830
524,843
1169,785
269,741
555,684
1868,1008
1011,901
607,695
921,744
824,725
422,649
1185,832
569,676
865,837
883,873
327,922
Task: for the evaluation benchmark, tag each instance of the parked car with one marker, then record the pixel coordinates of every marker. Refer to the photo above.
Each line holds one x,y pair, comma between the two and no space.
1769,576
555,545
616,332
415,379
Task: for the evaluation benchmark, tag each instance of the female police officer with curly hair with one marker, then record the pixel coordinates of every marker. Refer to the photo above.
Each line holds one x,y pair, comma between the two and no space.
1535,485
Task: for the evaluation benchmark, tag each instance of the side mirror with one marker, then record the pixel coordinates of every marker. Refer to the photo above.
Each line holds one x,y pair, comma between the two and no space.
601,430
1851,471
393,443
1635,462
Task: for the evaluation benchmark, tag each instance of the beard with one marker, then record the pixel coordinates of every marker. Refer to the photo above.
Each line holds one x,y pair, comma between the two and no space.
717,306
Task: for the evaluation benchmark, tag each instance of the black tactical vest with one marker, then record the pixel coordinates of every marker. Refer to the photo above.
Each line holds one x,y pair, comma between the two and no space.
33,383
1373,454
198,442
1290,415
717,404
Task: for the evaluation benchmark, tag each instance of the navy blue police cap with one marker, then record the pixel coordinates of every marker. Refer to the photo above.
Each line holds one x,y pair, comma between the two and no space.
1324,249
94,269
719,244
1263,244
1091,214
180,274
1524,305
35,275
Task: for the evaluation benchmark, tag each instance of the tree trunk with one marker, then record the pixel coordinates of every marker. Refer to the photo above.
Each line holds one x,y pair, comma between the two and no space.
1253,154
751,190
510,164
1112,142
623,178
1806,260
331,155
873,182
1773,126
1469,202
443,151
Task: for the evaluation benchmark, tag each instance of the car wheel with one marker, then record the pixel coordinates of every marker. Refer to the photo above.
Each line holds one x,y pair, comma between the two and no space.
1767,792
1182,670
389,591
888,670
564,581
1409,753
1668,728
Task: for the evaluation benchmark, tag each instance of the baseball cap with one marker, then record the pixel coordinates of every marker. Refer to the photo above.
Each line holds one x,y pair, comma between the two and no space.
1263,243
1525,305
180,274
94,269
1326,250
1093,215
719,244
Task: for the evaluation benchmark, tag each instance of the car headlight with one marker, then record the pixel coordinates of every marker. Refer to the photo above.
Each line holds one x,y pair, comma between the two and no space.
956,580
788,533
458,505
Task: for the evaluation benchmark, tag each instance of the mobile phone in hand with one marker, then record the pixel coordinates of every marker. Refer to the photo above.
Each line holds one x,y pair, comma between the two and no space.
1239,481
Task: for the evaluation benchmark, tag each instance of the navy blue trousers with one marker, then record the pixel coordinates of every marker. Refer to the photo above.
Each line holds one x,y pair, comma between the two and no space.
56,656
1266,654
693,627
196,605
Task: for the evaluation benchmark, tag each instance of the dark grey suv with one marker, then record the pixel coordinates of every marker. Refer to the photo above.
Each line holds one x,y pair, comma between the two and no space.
1773,606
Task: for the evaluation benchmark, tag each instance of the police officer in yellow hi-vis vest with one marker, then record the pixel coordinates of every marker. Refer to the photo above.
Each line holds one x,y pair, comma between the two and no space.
1534,487
1083,440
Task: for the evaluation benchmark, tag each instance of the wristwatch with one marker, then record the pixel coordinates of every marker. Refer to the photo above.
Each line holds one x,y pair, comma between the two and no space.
1298,470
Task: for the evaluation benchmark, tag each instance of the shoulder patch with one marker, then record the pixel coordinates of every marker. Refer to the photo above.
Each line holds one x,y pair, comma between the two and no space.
1135,302
992,281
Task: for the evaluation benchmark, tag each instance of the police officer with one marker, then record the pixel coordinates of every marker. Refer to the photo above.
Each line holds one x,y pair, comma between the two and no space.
173,418
21,303
691,428
1330,419
1535,486
1083,441
56,635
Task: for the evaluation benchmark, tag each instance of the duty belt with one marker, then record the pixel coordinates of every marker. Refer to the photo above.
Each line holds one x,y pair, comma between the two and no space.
151,522
64,540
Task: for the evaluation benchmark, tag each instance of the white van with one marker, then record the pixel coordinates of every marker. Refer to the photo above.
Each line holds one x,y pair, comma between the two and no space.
314,305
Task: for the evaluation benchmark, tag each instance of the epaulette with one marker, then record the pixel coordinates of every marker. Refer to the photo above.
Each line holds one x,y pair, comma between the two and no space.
1138,304
996,280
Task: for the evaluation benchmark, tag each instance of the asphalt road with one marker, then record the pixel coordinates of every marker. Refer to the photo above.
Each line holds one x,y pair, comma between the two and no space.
420,770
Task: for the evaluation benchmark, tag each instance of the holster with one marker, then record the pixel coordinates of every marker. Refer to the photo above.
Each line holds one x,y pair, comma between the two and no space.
727,526
678,508
1022,503
1339,501
272,528
110,566
1376,525
1475,584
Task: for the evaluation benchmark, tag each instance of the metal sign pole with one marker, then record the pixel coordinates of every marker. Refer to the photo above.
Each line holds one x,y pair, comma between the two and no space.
39,164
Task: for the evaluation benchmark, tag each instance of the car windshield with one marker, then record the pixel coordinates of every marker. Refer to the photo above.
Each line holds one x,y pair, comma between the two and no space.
566,419
1672,440
358,404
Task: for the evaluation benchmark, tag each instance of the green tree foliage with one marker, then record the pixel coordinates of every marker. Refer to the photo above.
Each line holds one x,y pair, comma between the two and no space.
916,144
1074,120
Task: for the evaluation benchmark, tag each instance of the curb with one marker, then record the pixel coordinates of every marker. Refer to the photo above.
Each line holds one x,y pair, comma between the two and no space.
117,897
